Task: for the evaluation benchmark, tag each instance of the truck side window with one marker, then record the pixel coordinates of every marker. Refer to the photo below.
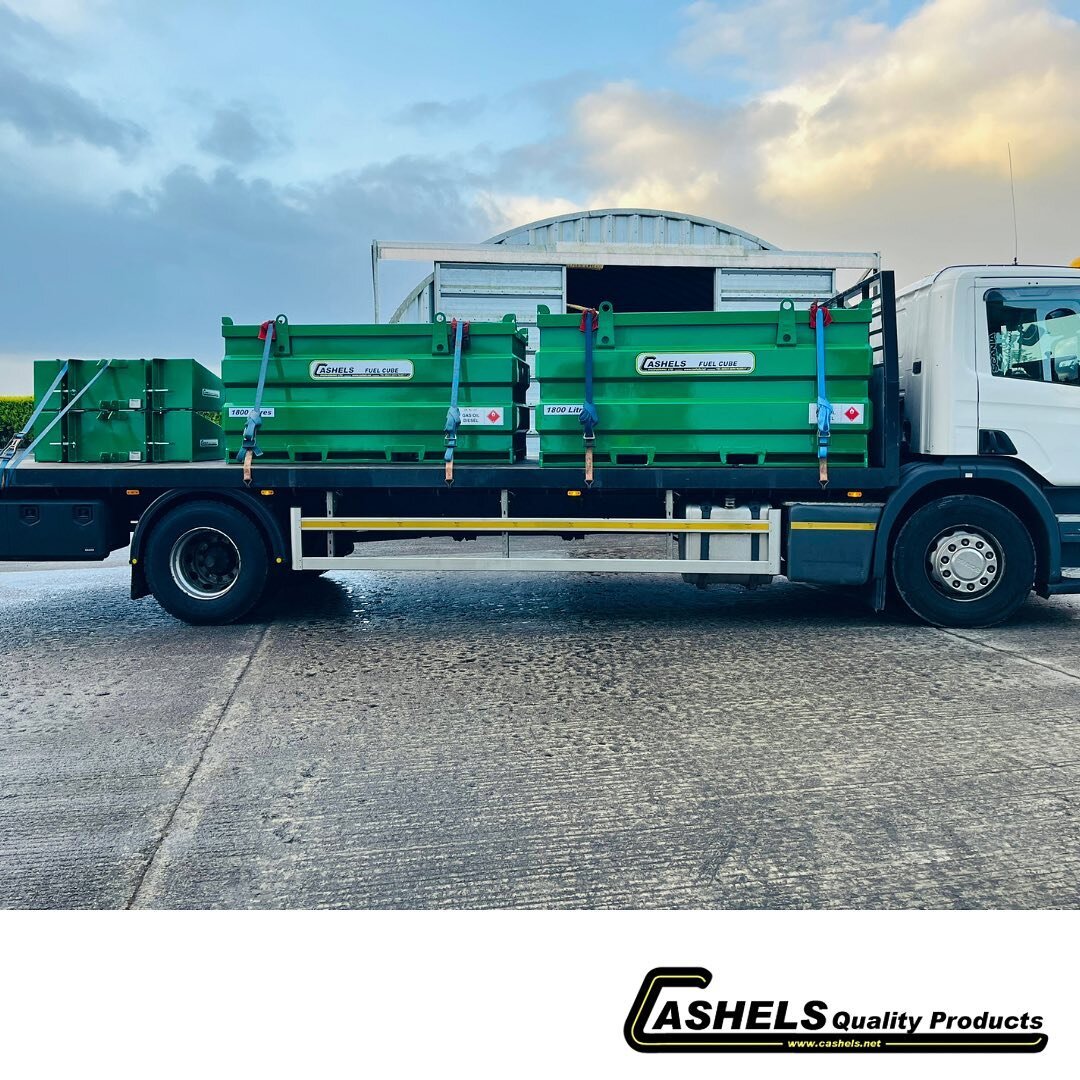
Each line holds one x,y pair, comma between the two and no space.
1035,334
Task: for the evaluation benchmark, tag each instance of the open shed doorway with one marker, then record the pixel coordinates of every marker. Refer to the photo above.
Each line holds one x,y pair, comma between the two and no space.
642,288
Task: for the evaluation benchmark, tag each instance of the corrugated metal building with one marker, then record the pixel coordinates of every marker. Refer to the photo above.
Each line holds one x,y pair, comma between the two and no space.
640,260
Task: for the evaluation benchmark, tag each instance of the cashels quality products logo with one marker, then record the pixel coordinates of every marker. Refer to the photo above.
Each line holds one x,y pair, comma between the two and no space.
673,1014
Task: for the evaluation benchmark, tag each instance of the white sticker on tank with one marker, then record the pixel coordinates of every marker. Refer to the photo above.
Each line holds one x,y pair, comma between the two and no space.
703,363
238,412
361,369
134,455
842,413
207,392
478,416
562,410
208,444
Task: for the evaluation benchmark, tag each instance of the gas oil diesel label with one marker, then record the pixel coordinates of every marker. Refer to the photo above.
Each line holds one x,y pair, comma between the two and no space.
361,369
703,363
238,412
842,413
478,416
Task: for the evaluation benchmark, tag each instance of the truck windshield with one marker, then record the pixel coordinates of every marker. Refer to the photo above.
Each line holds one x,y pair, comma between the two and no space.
1035,334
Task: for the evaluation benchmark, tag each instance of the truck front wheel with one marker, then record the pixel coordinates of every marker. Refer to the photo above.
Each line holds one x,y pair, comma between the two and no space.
206,562
963,561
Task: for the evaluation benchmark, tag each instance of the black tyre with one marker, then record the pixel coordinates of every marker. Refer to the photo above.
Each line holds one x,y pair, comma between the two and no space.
963,561
206,562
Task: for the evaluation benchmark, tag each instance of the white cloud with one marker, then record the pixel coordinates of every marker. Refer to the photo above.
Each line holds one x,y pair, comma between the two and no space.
760,41
507,211
60,16
642,148
898,144
944,92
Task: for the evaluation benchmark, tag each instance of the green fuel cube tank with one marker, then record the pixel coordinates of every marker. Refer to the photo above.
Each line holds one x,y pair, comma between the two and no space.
704,388
378,393
137,410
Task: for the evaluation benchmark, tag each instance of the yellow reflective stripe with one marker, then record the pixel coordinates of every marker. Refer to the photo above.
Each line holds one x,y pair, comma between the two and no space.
848,526
661,525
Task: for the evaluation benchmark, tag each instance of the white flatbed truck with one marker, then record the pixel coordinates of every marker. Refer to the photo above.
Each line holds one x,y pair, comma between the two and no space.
970,500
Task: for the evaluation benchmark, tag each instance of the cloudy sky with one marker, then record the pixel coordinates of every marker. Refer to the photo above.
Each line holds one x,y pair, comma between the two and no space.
165,163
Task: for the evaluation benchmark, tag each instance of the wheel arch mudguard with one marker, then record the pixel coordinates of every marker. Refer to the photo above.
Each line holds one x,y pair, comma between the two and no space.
259,512
1004,482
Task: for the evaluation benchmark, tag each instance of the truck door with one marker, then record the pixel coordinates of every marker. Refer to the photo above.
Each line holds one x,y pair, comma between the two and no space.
1027,349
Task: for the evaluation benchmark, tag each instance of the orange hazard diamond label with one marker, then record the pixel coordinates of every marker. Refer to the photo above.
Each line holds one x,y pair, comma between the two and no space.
842,413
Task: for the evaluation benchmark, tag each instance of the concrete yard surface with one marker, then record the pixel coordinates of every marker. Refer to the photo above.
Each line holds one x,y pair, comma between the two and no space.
580,741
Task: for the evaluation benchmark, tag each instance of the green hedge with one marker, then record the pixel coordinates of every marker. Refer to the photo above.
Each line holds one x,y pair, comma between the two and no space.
14,412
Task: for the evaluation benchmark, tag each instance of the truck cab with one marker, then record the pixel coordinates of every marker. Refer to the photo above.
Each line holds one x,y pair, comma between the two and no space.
988,359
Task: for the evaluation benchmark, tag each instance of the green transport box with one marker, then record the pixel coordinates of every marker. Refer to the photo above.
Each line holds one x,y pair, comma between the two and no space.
377,393
704,388
137,410
162,383
126,435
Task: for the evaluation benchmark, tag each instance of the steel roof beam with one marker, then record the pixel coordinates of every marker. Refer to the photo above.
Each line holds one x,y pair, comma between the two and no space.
568,254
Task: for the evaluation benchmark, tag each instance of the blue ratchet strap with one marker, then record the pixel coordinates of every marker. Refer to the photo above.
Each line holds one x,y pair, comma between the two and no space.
12,448
13,460
453,414
589,417
820,317
249,446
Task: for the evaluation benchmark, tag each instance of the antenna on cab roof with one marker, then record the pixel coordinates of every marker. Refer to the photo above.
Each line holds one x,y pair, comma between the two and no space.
1012,192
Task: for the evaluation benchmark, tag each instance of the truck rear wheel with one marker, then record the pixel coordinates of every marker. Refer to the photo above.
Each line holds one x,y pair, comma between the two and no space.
963,561
206,562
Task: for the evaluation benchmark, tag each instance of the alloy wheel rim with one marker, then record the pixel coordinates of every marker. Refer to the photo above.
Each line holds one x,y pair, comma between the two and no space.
205,563
965,563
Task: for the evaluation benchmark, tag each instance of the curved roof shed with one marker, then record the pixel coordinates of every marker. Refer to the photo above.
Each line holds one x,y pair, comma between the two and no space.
639,259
